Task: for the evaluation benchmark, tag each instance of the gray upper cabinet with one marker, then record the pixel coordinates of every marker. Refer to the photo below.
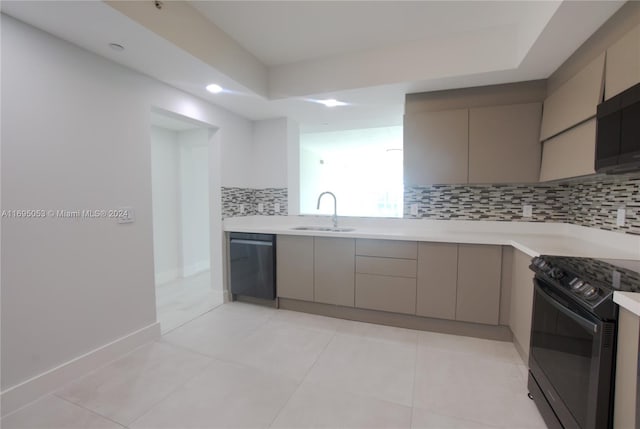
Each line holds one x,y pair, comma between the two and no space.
437,280
623,63
436,147
570,154
334,273
504,144
575,101
479,275
295,267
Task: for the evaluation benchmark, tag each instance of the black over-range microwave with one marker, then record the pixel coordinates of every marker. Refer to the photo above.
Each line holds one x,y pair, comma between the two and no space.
618,133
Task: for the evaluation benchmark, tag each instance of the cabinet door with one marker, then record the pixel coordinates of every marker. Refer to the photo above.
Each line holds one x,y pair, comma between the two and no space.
479,269
294,263
499,133
570,154
436,147
334,273
623,63
575,101
437,280
521,302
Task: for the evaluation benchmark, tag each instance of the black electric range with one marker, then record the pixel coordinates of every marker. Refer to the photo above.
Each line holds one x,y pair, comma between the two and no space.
573,337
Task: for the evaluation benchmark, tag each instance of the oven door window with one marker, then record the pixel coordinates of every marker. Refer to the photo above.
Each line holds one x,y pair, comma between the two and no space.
562,344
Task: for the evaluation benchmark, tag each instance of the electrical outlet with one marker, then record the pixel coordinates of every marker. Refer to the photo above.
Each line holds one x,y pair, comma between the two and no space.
527,211
260,207
276,207
621,216
241,208
414,209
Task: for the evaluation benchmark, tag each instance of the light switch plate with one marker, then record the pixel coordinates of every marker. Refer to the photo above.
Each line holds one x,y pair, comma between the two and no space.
621,216
414,209
527,211
276,207
241,208
260,207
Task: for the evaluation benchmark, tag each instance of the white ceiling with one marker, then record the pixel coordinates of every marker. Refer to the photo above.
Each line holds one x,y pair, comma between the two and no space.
369,54
282,32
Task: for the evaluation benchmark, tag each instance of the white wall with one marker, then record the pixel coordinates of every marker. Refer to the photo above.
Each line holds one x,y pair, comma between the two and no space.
270,153
237,153
165,179
75,135
293,166
194,204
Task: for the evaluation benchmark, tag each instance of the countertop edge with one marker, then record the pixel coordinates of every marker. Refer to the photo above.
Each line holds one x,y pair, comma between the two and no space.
551,239
628,300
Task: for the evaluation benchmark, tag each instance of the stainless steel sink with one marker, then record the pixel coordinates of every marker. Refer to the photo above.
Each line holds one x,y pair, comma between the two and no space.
322,228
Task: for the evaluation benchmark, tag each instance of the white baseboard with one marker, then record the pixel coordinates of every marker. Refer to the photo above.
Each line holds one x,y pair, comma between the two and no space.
193,269
30,390
167,276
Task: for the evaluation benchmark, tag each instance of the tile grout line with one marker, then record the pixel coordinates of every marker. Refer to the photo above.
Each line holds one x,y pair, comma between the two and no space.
413,387
162,334
171,392
302,380
89,410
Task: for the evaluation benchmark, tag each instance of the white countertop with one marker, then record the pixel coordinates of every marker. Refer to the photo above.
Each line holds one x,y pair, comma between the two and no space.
532,238
628,300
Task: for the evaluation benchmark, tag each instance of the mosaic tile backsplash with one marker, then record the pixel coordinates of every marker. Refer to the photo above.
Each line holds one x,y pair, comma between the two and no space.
249,198
592,203
595,204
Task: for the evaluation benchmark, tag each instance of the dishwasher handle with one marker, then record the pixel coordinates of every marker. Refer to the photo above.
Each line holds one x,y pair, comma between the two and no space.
252,242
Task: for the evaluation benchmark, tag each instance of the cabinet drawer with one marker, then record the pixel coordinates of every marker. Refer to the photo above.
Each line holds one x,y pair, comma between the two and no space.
386,266
387,248
395,294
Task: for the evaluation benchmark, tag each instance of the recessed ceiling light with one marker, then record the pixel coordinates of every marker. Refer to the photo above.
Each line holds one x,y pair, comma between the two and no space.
332,102
214,88
116,47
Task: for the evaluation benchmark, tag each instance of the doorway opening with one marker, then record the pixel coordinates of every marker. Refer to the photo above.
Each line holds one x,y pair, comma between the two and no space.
180,177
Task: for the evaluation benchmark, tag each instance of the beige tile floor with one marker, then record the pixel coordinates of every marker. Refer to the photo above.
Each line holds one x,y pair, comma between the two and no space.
244,366
182,300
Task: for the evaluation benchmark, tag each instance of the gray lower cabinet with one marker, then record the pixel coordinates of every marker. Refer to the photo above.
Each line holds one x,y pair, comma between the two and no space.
521,301
294,261
386,293
479,274
437,280
386,275
334,272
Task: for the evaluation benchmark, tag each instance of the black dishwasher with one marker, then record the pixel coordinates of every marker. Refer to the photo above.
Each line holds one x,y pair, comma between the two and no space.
253,264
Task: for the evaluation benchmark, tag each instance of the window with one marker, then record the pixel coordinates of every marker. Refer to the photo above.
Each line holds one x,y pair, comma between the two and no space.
363,168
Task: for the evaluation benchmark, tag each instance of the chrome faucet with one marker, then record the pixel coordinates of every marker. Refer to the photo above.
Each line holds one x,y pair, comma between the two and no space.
335,207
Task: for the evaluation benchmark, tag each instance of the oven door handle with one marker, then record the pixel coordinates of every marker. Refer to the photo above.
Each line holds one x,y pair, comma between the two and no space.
585,323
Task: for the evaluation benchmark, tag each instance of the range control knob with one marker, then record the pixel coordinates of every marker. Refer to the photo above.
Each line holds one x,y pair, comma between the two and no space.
556,273
576,283
588,291
539,262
